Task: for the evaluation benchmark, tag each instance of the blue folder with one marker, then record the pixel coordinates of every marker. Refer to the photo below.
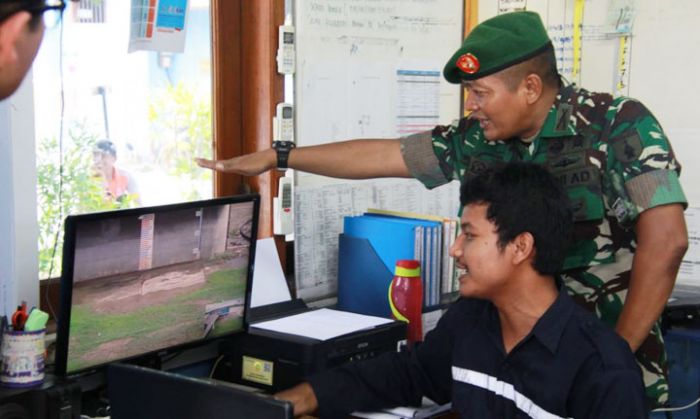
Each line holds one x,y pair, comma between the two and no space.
363,279
367,253
431,257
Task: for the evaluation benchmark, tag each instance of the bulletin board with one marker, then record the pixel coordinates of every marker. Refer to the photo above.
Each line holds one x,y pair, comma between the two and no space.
366,69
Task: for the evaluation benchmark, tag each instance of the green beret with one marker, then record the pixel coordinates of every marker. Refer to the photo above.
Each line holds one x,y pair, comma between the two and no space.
496,44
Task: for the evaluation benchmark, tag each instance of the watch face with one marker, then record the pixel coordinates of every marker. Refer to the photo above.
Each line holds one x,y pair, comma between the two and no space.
282,145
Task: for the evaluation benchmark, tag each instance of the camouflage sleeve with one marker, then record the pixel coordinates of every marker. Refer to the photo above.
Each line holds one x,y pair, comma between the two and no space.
642,169
420,158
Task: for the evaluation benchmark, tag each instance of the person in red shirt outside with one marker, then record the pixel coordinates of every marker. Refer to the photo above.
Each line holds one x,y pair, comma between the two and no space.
119,184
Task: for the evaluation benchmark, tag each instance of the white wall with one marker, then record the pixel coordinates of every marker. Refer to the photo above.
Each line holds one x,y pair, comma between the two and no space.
18,216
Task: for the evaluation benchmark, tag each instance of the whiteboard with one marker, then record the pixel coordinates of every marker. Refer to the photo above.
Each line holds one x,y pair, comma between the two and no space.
366,69
363,66
663,63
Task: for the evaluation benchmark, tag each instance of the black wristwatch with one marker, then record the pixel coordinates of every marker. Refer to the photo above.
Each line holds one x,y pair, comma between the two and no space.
283,148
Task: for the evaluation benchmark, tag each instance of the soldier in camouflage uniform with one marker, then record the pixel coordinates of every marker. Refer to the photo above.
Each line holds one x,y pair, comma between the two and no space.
609,153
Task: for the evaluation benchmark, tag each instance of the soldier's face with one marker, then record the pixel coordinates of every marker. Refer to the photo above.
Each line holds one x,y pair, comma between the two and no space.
486,266
500,111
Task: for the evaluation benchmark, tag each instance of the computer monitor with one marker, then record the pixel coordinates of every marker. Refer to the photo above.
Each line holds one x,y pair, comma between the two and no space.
146,281
136,392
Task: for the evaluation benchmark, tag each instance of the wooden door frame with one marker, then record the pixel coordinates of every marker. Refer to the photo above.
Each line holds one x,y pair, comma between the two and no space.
246,90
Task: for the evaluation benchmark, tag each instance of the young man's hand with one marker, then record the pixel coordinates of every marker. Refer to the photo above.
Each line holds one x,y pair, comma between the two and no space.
302,397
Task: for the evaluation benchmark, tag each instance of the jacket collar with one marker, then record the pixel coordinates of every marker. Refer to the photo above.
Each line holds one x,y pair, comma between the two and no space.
550,327
547,330
560,121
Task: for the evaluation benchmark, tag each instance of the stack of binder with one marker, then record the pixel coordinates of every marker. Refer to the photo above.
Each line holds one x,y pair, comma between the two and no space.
372,243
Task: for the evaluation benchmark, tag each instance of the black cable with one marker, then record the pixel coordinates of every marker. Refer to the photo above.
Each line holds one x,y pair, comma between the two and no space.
60,171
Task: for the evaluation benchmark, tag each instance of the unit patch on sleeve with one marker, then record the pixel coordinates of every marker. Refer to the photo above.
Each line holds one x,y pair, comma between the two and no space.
628,148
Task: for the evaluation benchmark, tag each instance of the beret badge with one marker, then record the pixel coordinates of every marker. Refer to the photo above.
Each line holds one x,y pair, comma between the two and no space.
468,63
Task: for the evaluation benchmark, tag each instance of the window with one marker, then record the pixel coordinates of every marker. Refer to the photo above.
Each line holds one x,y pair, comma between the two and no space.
117,129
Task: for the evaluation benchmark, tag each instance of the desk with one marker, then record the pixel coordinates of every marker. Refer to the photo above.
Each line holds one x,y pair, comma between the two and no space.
42,401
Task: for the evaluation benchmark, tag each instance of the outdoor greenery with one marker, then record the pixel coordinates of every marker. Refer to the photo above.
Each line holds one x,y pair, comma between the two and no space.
180,130
74,191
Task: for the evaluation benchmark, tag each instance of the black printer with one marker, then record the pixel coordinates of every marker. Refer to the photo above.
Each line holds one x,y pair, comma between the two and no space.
274,361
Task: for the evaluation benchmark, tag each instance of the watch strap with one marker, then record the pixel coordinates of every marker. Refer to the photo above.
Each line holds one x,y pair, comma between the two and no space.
283,148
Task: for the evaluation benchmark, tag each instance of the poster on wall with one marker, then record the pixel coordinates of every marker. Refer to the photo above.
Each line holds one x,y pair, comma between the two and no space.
158,25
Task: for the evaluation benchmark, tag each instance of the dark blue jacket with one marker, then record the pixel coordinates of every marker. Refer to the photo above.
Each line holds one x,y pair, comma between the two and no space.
570,365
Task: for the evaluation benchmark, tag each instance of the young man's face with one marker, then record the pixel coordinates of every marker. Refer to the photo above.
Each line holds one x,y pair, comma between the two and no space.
476,250
501,112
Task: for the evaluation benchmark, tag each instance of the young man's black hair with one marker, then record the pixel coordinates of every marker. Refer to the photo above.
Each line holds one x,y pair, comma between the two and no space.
524,197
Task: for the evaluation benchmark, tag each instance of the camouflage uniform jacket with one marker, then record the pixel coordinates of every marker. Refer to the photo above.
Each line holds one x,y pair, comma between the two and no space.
614,160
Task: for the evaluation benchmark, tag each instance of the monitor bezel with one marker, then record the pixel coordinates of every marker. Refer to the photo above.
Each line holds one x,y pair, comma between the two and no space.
66,280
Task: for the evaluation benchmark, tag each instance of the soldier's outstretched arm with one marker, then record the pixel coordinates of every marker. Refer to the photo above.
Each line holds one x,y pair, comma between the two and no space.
354,159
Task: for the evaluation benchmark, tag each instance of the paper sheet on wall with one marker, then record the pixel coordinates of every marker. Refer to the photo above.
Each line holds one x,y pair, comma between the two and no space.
620,17
362,64
507,6
319,221
158,25
689,273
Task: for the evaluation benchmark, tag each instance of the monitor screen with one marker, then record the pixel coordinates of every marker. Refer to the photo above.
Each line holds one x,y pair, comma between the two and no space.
141,281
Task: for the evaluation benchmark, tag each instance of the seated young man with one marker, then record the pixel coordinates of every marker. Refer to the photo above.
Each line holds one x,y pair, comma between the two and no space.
515,344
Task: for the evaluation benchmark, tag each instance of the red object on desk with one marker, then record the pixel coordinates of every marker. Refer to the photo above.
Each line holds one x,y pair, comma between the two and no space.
19,317
406,298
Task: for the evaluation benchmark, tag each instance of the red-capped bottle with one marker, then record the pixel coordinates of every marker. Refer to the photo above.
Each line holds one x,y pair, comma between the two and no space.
406,298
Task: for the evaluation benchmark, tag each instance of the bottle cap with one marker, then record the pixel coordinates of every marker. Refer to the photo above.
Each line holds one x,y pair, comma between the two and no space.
407,267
